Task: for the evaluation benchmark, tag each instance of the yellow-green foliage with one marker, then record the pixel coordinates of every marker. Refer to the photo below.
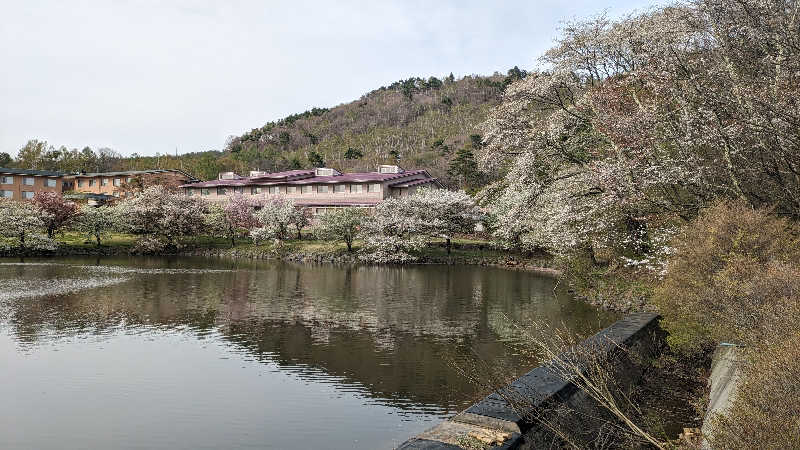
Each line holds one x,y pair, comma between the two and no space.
734,276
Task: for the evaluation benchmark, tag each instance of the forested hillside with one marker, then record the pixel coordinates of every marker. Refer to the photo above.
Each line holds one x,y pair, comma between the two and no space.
417,123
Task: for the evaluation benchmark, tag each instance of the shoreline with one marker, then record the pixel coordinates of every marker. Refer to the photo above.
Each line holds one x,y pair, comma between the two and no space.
540,264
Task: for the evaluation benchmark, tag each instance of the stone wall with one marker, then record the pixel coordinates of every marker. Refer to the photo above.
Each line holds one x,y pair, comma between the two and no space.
542,391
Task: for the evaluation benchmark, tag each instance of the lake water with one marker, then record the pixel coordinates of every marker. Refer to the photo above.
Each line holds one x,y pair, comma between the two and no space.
132,353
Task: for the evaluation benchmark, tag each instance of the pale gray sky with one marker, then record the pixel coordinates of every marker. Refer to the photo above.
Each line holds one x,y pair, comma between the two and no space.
150,76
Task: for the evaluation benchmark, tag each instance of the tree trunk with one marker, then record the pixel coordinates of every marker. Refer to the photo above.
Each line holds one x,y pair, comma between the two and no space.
349,245
97,236
448,246
299,236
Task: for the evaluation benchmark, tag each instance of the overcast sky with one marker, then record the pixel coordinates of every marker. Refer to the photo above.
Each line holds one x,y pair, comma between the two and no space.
146,77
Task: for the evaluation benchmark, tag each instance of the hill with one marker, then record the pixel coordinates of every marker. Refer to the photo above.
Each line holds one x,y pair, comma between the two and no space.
416,123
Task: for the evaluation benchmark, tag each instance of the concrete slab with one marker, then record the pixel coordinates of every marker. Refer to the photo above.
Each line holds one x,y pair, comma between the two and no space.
725,374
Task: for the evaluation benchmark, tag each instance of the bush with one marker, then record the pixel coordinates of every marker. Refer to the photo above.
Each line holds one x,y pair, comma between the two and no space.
341,224
734,276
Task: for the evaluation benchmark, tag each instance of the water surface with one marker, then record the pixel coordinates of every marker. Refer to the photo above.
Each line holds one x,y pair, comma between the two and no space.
208,353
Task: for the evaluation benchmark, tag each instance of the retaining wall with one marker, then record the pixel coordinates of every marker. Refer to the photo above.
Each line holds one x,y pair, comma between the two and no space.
542,391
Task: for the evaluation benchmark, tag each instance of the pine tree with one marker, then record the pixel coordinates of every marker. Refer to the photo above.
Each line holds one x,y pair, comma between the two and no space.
464,169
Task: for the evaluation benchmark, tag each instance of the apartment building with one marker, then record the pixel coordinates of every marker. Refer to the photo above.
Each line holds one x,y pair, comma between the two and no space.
22,184
117,184
319,188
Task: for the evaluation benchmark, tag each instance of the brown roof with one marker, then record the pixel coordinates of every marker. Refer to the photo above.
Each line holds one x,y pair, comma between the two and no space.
411,183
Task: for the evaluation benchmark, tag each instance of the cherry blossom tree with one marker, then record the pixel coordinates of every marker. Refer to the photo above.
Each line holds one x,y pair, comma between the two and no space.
234,216
392,234
96,222
633,126
162,216
443,213
341,224
23,222
275,217
301,219
57,210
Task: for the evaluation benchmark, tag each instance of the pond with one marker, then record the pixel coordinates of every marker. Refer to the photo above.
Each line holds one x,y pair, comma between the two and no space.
198,353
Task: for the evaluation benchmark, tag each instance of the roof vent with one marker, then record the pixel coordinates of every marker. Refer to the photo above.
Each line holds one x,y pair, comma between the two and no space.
326,172
228,176
389,169
258,173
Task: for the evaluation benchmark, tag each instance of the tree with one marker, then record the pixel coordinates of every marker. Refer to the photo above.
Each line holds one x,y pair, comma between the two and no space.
5,159
96,222
315,159
464,169
275,217
639,123
443,213
392,233
57,211
23,222
301,218
341,224
353,153
163,217
232,217
31,156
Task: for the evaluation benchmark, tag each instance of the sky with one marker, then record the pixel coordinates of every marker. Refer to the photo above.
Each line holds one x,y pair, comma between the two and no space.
153,77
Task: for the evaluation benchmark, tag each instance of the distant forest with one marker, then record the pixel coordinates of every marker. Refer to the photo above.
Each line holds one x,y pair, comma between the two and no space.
416,123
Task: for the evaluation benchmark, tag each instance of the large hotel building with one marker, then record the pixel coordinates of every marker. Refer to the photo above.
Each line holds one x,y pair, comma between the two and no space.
319,188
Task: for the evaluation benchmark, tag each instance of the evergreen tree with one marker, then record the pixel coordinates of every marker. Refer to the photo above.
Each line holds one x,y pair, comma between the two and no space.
5,159
353,153
315,159
464,169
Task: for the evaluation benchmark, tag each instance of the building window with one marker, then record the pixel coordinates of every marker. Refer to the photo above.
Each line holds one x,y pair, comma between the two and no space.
205,191
319,211
221,191
356,188
117,182
189,192
255,190
27,181
291,189
91,183
238,190
305,190
115,194
128,180
104,181
339,188
80,182
27,195
274,190
8,180
50,182
322,189
7,194
375,187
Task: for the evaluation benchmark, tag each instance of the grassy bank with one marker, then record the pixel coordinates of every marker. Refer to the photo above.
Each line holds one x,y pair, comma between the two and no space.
465,250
